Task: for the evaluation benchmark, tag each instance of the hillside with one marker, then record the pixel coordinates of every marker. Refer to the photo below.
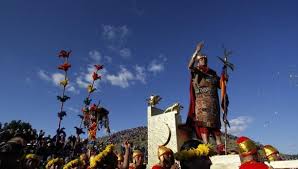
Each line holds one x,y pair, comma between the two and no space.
138,136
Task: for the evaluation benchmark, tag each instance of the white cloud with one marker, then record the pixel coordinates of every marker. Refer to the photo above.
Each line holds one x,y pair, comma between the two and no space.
140,73
43,75
85,78
115,39
157,65
95,55
55,79
122,79
81,83
239,124
115,33
125,53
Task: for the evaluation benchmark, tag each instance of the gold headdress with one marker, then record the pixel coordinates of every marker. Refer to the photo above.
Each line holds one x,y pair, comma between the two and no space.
246,146
136,153
270,151
163,150
119,157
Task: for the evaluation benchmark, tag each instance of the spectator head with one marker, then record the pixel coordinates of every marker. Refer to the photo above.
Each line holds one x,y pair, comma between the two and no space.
165,156
137,156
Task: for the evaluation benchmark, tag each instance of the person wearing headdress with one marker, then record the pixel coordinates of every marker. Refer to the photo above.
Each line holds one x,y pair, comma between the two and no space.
194,154
271,153
166,159
204,110
120,160
11,153
137,160
248,153
84,159
31,161
55,163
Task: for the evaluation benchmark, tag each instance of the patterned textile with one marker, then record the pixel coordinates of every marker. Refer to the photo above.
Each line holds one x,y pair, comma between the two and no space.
207,110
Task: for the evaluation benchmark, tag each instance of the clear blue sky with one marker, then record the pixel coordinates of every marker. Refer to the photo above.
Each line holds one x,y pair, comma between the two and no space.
145,47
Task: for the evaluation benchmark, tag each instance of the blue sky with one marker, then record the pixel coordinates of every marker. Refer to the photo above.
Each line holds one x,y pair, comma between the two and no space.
145,47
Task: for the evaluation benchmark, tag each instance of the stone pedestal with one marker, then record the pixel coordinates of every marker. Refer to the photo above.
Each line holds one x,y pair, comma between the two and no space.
159,124
225,162
233,162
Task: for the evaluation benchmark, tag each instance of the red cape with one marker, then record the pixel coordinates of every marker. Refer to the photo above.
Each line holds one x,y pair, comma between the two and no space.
191,109
253,165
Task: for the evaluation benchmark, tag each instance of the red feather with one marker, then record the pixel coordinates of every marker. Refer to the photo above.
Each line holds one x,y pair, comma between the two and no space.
64,54
64,66
95,76
98,67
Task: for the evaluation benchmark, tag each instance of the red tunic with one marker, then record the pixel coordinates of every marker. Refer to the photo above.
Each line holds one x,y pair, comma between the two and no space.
253,165
157,167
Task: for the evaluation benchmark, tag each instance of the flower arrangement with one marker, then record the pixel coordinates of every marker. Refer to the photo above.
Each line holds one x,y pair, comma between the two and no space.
201,150
94,161
73,163
54,162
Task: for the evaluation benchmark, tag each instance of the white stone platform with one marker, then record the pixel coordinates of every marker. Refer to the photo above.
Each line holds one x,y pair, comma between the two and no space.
233,162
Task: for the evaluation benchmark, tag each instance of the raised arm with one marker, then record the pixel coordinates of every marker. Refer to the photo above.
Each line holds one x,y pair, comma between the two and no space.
192,60
126,156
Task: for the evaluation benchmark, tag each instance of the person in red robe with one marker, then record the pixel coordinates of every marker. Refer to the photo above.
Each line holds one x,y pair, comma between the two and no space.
204,110
166,159
248,153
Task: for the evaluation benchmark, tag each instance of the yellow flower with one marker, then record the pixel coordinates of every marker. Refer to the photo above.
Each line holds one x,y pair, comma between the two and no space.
75,162
204,149
201,150
94,160
64,82
90,88
53,162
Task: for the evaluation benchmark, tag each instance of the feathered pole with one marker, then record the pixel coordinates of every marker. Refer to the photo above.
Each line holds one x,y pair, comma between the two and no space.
87,100
63,98
86,116
99,119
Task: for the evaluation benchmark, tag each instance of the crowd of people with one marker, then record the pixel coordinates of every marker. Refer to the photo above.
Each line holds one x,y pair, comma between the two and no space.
27,149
